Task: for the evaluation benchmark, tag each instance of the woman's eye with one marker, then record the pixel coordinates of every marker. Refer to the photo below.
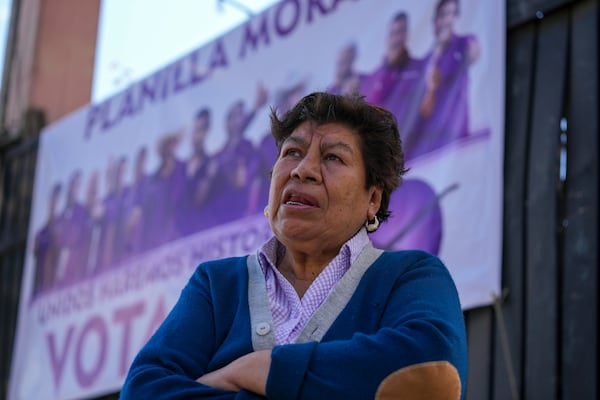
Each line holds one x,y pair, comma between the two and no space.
332,157
292,152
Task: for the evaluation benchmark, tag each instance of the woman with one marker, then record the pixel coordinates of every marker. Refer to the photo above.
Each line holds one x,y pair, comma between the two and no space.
317,312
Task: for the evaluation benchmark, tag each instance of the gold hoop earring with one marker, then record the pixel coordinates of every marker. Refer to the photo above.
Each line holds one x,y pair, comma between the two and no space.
266,211
372,225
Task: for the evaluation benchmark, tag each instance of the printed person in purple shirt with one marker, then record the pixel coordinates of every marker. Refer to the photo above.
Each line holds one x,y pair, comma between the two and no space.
45,248
92,226
200,172
398,82
135,206
100,257
112,216
347,79
71,237
444,114
165,193
238,164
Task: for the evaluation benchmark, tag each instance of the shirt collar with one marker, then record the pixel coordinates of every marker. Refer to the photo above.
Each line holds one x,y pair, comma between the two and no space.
273,249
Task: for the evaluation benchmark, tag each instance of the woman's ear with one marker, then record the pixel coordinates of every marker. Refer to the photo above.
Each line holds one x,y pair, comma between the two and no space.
376,193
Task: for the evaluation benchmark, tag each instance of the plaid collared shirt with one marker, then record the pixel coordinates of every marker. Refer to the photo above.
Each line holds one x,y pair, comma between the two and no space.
291,313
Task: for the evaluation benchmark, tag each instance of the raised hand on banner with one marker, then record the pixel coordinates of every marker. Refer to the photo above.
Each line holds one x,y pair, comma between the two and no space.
473,51
261,97
433,79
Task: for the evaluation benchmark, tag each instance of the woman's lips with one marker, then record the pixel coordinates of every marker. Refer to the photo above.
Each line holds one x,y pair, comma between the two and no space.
295,198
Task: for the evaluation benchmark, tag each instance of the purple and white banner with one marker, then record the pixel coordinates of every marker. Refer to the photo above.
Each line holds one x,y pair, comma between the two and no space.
132,193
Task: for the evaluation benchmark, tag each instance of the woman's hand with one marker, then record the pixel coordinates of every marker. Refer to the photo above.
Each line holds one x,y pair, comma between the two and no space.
248,372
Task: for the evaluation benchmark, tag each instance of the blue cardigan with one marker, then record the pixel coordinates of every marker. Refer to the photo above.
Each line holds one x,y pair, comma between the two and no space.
404,310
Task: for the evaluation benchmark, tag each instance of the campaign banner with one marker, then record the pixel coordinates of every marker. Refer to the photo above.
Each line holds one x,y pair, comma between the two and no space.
132,193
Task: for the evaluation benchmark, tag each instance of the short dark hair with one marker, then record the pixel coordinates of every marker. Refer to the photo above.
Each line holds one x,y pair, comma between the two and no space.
377,128
400,16
56,189
442,3
203,113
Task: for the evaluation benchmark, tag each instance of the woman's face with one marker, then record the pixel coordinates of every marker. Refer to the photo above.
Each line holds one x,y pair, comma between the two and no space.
444,21
74,188
317,198
200,132
235,121
344,63
396,41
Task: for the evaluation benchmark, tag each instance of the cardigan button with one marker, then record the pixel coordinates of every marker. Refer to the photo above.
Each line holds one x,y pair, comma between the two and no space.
263,328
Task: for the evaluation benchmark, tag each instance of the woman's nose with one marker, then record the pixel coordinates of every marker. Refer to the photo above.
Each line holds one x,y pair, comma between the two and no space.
308,169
